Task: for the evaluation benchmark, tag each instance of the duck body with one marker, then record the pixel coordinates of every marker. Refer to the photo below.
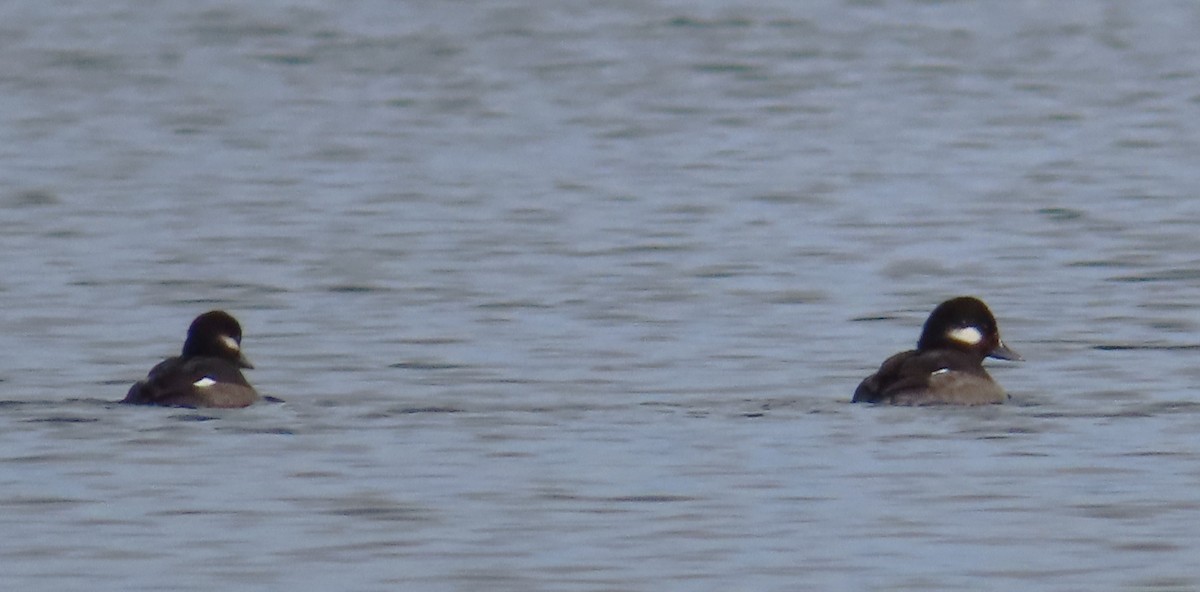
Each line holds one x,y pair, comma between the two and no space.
207,374
946,368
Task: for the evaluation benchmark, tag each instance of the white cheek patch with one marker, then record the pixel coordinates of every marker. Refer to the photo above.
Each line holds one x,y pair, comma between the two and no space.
204,382
967,335
230,343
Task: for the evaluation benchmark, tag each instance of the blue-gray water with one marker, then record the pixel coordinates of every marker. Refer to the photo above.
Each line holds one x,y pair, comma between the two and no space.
572,296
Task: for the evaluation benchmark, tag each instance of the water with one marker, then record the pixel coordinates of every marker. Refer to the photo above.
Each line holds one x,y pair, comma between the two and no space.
573,296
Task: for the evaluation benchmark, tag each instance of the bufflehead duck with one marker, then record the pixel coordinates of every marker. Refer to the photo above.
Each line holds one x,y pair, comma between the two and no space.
208,372
947,366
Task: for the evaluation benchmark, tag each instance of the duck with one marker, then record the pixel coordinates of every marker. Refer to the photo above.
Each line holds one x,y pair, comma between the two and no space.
208,373
946,368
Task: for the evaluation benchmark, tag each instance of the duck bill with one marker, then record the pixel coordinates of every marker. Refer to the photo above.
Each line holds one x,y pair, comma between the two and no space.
1003,352
243,361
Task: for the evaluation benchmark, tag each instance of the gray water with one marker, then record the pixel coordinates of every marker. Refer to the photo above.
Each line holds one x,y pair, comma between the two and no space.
572,296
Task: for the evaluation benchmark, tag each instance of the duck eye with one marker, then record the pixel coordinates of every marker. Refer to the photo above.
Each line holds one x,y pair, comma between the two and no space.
230,343
967,335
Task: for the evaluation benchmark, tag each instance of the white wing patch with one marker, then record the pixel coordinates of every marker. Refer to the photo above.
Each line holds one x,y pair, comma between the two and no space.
967,335
939,371
204,382
230,343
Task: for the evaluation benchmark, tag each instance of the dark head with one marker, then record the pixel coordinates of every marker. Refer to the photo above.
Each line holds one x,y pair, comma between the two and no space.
216,334
965,324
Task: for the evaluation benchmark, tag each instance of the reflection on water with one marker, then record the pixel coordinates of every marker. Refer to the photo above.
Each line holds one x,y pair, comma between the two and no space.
575,297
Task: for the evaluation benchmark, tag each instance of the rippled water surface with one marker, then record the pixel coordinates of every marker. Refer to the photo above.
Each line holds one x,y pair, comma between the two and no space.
572,296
